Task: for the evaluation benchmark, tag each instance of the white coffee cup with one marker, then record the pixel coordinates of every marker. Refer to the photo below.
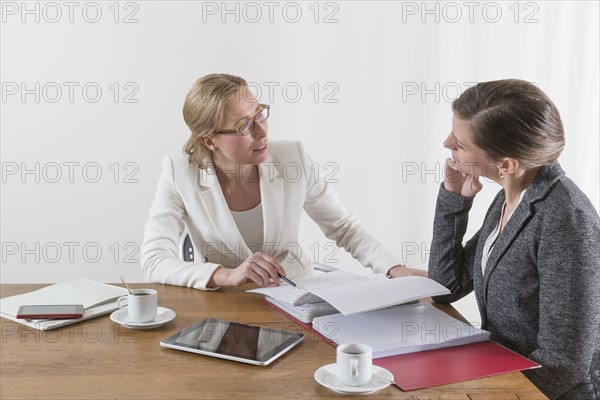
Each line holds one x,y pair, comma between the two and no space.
141,305
354,364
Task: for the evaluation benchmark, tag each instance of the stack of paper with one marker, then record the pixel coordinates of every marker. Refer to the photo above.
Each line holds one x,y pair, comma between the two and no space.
97,299
399,330
305,312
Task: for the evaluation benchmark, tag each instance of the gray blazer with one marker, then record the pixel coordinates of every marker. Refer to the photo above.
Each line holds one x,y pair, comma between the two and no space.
540,294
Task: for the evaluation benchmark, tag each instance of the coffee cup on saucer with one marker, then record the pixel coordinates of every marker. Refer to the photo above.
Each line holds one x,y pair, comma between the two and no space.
142,305
354,364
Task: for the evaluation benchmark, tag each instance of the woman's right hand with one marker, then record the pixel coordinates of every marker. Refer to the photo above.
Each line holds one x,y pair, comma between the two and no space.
259,268
401,270
457,182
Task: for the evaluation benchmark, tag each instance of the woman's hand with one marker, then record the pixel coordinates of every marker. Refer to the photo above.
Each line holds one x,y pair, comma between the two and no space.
403,270
259,268
457,182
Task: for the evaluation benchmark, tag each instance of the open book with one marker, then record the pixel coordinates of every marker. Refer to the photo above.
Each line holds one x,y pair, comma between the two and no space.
97,299
350,293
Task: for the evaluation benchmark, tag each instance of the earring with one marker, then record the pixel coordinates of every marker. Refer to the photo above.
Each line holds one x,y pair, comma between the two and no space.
501,175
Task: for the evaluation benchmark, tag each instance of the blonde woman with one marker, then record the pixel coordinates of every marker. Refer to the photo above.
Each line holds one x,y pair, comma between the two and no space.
240,197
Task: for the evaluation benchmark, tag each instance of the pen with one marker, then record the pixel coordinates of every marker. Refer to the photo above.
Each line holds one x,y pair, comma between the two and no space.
288,280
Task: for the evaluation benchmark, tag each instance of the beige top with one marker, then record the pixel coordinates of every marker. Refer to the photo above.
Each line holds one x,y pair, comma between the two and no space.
250,224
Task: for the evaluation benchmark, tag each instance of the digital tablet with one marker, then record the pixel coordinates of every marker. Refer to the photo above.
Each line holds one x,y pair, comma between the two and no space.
234,341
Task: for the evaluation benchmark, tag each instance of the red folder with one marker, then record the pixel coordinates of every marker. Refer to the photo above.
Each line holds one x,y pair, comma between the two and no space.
453,364
442,366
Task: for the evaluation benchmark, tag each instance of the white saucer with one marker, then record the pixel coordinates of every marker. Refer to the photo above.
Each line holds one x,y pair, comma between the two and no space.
326,376
163,315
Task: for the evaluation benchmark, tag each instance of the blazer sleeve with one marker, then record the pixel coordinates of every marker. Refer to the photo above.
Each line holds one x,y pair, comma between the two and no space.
324,207
162,234
450,263
569,315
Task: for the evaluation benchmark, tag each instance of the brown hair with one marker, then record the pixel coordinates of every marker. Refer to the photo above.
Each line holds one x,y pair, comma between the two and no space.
202,108
512,118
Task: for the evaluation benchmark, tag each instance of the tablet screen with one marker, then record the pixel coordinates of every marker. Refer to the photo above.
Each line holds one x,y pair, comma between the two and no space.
234,341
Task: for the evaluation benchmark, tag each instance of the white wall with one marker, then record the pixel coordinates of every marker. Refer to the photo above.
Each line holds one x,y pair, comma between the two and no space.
92,95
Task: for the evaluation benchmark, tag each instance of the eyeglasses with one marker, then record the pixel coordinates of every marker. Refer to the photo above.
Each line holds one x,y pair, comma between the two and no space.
247,125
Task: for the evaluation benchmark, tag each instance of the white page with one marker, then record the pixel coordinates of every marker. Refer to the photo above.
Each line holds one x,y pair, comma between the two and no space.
399,330
305,312
380,294
309,284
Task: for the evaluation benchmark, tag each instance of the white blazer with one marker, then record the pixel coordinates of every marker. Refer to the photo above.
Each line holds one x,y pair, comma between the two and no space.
190,197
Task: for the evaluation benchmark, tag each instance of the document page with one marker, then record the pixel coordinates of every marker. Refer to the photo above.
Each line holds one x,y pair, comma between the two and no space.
399,330
307,286
369,296
351,293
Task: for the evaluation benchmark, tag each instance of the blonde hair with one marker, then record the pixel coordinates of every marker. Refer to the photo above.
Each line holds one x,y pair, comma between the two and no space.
202,108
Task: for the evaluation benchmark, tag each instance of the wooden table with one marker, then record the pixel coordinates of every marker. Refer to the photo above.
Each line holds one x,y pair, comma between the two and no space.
99,359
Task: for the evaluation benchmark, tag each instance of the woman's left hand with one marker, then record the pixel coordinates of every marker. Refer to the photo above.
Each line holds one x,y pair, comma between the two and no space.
402,270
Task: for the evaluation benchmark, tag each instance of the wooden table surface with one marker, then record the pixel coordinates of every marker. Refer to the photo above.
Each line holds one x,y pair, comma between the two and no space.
99,359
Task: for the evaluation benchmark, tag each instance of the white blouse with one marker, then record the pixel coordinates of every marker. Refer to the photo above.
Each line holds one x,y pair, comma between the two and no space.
250,224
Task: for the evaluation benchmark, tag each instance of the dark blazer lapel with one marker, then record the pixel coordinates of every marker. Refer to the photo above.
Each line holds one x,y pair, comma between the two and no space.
490,222
542,183
520,216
